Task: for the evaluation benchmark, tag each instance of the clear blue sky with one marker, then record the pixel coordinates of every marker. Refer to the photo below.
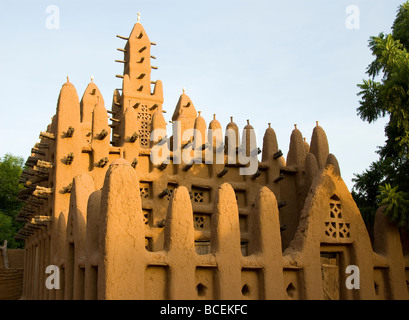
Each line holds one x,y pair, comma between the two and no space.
284,62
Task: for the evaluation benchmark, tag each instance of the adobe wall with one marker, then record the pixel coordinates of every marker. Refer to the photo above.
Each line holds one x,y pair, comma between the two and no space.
11,279
331,236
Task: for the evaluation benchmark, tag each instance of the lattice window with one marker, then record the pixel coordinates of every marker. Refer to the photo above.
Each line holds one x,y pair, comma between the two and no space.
170,194
335,226
171,188
144,190
144,132
199,222
198,196
146,216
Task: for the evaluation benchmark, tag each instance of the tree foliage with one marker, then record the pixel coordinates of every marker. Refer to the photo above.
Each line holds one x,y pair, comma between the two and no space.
386,94
10,171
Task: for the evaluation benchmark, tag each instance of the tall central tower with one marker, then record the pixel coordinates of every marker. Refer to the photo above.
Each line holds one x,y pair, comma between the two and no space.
136,93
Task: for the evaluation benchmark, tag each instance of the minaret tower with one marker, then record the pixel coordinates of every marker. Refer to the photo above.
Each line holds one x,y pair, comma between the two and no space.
136,92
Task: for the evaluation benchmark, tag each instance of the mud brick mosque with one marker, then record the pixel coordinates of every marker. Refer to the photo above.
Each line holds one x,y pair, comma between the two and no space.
119,226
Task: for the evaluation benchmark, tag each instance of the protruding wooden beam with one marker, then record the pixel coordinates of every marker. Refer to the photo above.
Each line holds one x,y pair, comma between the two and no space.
121,37
70,132
43,145
102,134
134,163
37,151
47,135
69,159
42,192
67,189
188,167
281,204
164,193
103,162
278,154
256,175
134,137
44,164
223,172
279,178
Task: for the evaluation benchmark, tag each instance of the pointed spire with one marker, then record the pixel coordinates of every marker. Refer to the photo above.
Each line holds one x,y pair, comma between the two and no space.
185,106
270,145
139,18
248,138
296,154
311,169
200,131
232,135
158,124
91,97
319,146
68,109
214,124
333,161
306,145
137,61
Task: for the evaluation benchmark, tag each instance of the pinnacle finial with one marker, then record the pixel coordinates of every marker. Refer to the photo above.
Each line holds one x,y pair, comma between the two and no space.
199,112
269,124
248,121
214,116
295,126
139,18
92,78
184,89
316,123
68,79
231,119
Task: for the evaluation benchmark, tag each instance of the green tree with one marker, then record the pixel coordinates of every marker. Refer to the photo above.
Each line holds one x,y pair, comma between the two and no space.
386,94
10,172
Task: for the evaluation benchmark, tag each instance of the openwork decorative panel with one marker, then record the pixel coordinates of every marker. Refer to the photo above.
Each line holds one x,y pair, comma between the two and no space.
144,132
336,227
